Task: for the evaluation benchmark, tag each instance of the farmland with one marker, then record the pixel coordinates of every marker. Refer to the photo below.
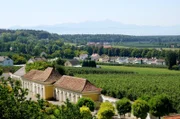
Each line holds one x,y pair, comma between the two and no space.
146,81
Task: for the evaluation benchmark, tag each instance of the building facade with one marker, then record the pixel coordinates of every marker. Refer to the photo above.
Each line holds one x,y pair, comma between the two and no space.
6,61
50,84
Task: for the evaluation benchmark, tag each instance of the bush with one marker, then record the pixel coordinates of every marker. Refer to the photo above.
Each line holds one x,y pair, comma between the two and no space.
160,105
106,111
40,65
84,101
87,63
85,112
11,69
123,106
140,109
175,67
60,61
60,69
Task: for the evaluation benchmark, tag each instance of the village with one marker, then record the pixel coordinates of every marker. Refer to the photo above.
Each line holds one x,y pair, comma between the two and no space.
56,88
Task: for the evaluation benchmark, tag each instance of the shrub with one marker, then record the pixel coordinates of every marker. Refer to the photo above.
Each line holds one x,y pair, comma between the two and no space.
60,69
85,112
106,111
140,109
123,106
160,105
88,102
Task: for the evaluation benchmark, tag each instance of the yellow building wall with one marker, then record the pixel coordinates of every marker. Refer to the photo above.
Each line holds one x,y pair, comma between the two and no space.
94,97
49,92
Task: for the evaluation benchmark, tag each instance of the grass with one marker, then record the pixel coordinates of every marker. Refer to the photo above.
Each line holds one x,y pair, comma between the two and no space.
71,44
142,70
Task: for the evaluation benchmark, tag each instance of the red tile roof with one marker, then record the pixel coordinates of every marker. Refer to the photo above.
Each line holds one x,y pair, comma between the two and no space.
172,117
49,75
76,84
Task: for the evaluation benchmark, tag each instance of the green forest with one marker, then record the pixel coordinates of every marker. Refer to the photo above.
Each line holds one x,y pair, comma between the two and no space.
28,43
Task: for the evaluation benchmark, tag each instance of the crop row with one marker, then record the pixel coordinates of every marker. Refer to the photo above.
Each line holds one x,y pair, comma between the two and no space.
134,86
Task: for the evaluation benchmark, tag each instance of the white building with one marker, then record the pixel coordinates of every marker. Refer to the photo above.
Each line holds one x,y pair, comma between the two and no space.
73,88
83,56
18,74
95,57
122,60
6,61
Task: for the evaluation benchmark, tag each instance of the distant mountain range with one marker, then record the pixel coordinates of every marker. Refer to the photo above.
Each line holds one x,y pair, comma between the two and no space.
106,27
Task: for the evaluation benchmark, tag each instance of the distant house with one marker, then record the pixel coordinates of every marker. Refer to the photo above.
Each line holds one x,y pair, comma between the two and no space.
160,62
107,46
36,59
151,61
104,58
113,59
74,88
122,60
72,63
138,61
18,74
91,43
131,60
83,56
6,61
95,57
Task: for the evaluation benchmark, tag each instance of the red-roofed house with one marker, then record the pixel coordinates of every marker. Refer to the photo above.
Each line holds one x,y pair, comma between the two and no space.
40,82
172,117
74,88
50,84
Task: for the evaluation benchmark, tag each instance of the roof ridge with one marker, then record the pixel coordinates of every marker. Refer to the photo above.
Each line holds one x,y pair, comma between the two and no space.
49,74
84,86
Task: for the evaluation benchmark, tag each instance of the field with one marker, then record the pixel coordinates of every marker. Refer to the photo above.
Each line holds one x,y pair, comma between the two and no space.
139,45
145,82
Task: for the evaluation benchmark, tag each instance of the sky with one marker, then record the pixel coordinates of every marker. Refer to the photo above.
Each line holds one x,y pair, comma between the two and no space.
51,12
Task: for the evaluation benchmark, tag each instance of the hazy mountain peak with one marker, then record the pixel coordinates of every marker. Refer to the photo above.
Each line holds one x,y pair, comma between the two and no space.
106,27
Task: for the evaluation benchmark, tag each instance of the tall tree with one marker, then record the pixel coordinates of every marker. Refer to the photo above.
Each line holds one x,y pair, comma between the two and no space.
170,59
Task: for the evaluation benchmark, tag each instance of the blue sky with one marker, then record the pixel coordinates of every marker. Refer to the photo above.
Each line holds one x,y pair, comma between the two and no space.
49,12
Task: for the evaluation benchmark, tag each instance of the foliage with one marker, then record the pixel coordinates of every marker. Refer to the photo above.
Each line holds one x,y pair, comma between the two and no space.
123,106
146,82
106,111
88,102
88,63
11,69
14,104
85,70
1,71
18,59
69,111
60,69
60,61
85,112
171,59
160,105
140,109
40,65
